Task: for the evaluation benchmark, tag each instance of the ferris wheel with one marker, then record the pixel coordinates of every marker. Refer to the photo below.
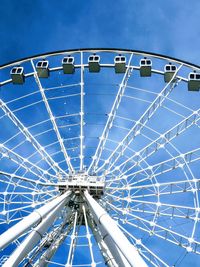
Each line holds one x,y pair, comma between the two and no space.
99,156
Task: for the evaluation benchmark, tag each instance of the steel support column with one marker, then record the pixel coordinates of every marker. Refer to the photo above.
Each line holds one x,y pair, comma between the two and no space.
105,250
111,228
35,217
115,251
33,238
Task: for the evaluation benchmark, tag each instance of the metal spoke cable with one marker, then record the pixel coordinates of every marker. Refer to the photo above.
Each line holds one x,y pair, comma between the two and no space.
55,127
163,139
111,116
29,137
140,123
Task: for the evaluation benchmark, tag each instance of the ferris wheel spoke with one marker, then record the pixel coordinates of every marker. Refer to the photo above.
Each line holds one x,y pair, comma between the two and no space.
158,208
110,253
174,191
15,231
162,140
121,170
161,189
11,185
162,211
141,122
135,121
163,167
156,229
26,179
164,235
82,116
25,164
42,160
169,165
55,127
145,251
15,214
111,117
29,136
159,214
39,124
161,185
26,206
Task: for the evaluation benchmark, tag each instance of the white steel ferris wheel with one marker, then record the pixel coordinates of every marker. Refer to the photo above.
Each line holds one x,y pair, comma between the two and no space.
99,156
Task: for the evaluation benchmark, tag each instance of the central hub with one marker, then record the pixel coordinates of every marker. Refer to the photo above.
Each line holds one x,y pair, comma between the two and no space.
80,182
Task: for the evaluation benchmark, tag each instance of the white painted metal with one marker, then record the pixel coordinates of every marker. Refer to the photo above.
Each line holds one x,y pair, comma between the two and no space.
162,140
30,220
152,255
180,237
36,234
82,116
19,160
117,254
111,117
140,123
105,250
55,127
167,165
30,137
110,226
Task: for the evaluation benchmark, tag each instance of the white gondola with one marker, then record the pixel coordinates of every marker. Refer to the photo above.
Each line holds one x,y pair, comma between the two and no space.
194,81
93,62
169,72
17,75
68,65
145,67
120,64
42,68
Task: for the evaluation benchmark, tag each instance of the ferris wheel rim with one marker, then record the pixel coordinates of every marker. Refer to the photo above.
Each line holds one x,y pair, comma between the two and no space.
93,50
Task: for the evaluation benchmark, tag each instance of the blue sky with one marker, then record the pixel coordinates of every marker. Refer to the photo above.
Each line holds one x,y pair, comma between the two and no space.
32,27
39,26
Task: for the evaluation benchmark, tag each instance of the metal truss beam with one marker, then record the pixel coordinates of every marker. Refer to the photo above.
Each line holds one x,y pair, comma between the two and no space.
111,117
82,116
168,165
25,163
53,121
30,137
140,123
161,141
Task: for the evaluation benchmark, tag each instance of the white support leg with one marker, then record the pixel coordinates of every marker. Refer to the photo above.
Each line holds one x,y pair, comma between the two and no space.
113,251
35,217
117,254
34,237
105,250
111,228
